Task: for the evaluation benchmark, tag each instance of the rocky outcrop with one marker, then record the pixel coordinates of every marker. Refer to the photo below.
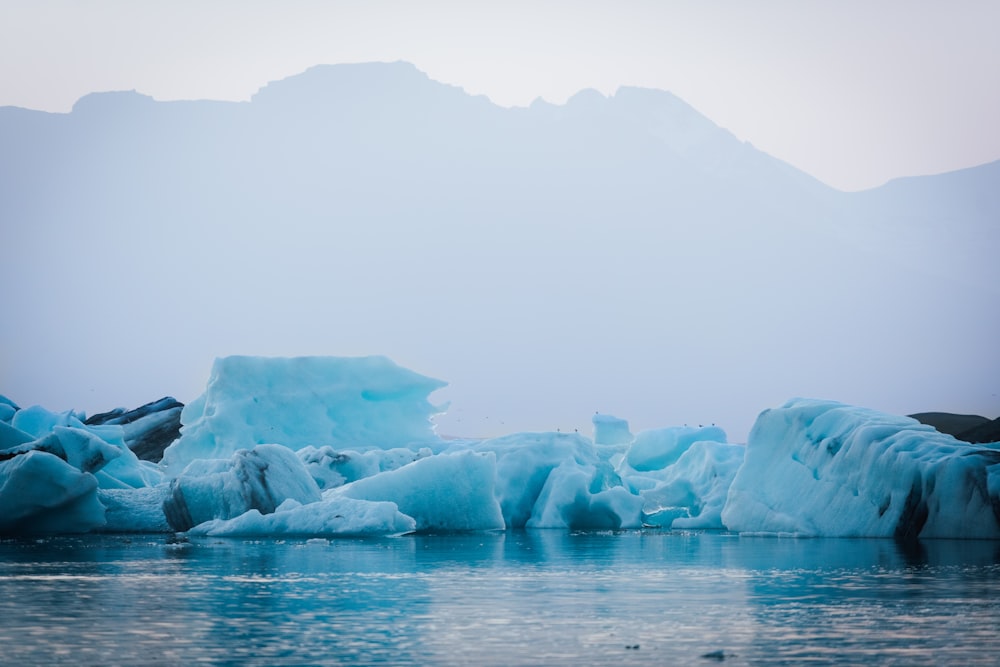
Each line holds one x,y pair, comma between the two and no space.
988,431
968,428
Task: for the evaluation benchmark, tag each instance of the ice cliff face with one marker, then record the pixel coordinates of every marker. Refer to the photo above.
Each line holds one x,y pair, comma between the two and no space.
320,446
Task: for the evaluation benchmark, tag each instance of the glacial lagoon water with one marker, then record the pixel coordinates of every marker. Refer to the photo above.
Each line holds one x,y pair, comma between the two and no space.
517,598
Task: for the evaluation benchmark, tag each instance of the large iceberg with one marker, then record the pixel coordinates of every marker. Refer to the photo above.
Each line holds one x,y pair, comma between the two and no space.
353,403
53,467
823,468
324,447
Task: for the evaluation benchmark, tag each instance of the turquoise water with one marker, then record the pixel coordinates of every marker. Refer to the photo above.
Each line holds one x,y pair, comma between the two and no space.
523,598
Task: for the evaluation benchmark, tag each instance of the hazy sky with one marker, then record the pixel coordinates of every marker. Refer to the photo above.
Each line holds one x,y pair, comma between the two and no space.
853,92
110,311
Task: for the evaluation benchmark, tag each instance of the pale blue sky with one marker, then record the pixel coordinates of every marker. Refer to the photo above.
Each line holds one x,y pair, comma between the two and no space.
853,92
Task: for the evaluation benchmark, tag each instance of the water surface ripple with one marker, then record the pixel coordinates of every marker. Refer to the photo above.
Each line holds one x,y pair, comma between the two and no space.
521,598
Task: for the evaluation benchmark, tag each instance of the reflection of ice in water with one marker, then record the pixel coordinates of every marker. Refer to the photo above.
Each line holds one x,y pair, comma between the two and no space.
562,598
533,597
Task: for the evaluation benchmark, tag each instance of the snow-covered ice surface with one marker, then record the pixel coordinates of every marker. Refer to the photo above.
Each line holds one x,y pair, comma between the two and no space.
322,447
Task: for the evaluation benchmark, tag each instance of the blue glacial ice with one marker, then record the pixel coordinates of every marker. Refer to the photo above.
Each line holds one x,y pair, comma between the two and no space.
42,493
823,468
359,403
321,446
53,468
259,479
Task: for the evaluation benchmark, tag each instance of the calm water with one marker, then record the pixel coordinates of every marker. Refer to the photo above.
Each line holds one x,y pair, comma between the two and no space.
532,598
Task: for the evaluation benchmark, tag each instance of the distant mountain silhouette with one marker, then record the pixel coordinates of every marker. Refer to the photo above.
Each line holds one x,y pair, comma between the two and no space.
971,428
620,249
949,423
988,432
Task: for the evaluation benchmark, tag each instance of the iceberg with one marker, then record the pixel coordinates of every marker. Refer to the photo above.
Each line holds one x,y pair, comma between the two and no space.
79,448
691,493
581,498
8,409
610,430
657,449
353,403
822,468
148,429
559,480
448,492
41,493
330,468
259,479
12,437
99,449
54,468
326,447
336,516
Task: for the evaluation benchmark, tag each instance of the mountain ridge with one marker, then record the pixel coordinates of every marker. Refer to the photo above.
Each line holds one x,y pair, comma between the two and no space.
407,73
355,76
596,247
